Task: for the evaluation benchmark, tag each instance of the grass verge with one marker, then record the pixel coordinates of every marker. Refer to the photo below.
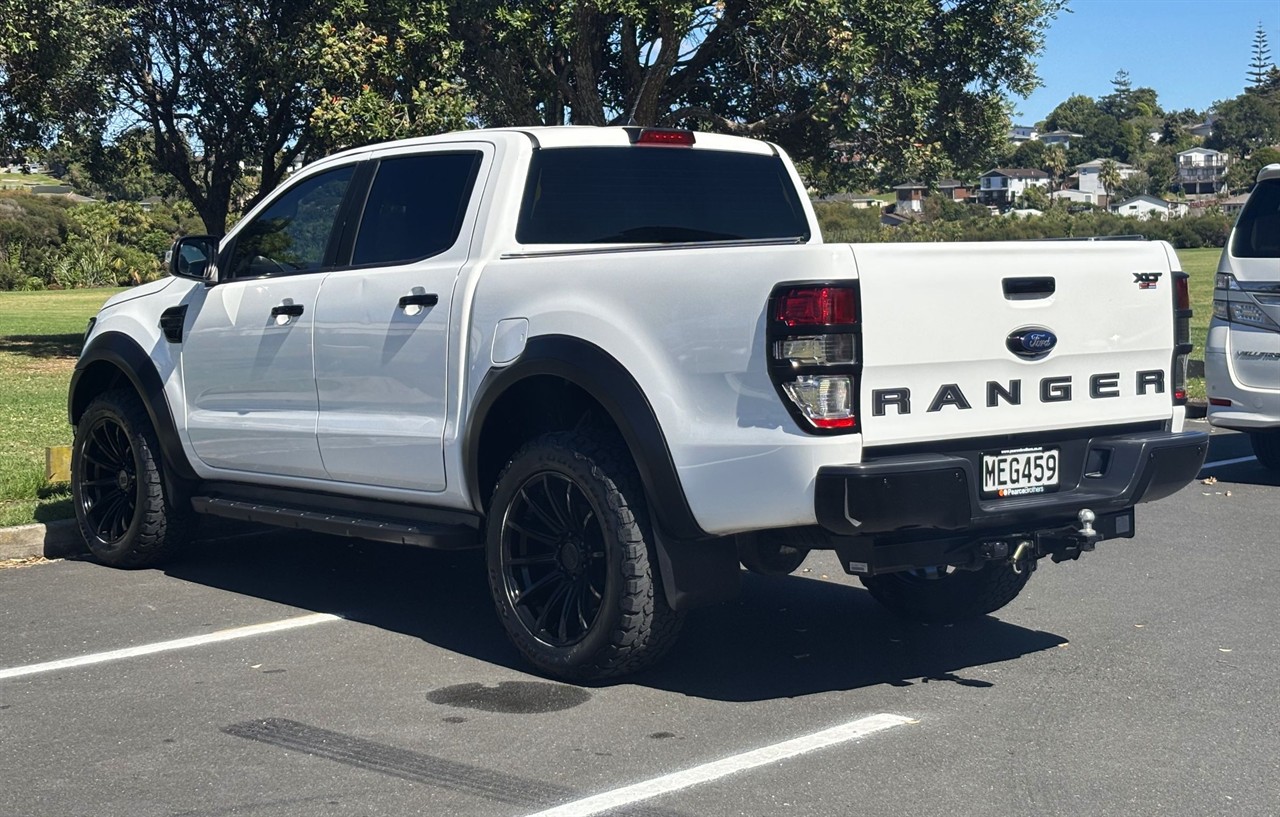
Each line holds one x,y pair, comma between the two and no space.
1200,264
40,337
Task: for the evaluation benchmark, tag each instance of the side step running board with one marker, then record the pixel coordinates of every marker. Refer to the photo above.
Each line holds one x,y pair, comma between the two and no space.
399,531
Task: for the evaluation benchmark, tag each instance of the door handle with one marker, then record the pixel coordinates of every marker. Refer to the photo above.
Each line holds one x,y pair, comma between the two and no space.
424,299
292,310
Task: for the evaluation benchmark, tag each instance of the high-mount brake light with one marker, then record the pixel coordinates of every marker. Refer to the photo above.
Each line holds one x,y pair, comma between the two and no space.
669,138
813,352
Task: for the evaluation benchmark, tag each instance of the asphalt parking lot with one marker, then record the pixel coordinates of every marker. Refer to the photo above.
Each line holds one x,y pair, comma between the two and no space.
1141,680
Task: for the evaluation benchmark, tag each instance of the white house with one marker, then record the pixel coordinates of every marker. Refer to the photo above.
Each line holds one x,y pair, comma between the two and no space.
1060,137
1150,207
1022,133
1077,196
1202,171
1088,174
1001,186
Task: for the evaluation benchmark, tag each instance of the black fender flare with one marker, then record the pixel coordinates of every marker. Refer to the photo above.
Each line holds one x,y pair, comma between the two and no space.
124,353
607,381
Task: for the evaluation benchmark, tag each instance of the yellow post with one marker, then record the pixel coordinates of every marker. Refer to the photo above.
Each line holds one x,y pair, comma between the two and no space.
57,463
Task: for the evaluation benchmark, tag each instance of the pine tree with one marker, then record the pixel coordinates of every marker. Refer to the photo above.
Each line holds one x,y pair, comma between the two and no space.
1260,64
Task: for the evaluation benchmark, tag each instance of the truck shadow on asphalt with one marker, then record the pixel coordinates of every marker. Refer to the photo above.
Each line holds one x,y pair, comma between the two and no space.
784,637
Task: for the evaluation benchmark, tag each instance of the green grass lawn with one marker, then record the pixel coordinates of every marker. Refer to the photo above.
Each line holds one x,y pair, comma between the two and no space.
40,336
15,181
1200,265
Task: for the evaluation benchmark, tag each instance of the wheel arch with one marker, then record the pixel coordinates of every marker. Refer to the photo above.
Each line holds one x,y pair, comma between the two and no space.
566,378
115,360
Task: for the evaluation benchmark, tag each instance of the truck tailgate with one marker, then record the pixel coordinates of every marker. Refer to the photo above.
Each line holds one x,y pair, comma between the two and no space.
987,339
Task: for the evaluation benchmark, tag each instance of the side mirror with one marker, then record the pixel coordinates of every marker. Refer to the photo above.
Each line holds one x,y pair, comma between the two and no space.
195,257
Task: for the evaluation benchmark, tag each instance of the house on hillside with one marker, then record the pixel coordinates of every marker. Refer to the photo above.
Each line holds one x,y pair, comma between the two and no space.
1201,171
1233,205
1023,133
1060,137
1088,180
1001,186
1074,196
910,196
1204,129
854,200
1148,207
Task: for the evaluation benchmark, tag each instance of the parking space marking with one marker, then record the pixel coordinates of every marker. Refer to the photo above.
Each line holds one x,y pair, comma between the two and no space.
707,772
176,644
1220,463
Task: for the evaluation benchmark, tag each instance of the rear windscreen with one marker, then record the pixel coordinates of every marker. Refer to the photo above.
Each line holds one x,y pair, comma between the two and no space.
1257,233
657,195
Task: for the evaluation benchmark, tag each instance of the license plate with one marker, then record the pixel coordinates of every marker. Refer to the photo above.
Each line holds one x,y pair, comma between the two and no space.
1018,472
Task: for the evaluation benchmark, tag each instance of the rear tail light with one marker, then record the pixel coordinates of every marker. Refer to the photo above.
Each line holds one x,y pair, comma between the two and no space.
1181,334
813,347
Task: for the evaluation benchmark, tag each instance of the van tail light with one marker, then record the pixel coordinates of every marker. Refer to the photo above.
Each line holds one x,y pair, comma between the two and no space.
665,137
813,342
1181,335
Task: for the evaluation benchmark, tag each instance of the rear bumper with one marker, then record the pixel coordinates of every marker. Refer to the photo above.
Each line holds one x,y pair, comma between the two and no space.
923,493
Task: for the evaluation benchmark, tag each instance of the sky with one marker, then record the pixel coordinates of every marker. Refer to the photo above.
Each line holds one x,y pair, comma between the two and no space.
1192,52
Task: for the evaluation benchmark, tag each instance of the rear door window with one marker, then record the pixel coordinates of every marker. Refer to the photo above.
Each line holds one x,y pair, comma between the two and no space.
415,207
657,195
1257,232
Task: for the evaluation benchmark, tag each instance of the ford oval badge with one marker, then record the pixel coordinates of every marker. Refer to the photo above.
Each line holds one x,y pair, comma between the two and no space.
1031,342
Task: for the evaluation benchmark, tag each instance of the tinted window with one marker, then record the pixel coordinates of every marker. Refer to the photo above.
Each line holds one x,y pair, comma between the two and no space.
292,234
415,207
642,194
1257,233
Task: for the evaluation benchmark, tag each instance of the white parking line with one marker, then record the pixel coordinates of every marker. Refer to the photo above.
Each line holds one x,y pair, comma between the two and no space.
707,772
176,644
1220,463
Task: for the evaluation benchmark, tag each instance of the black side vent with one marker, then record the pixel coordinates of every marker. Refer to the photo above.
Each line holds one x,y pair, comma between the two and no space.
171,321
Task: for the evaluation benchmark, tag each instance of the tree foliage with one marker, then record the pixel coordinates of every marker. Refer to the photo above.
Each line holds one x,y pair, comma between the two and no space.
917,85
1260,63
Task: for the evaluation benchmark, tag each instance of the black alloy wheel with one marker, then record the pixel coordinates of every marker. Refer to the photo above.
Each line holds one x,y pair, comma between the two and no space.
128,513
554,562
571,562
108,480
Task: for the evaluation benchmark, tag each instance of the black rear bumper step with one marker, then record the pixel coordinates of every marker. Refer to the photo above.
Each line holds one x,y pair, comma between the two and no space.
919,493
398,531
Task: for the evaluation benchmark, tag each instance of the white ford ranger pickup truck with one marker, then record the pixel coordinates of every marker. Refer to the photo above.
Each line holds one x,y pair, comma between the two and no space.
624,363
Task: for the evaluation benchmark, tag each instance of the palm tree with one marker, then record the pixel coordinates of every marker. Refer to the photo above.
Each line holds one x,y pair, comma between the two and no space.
1055,161
1109,177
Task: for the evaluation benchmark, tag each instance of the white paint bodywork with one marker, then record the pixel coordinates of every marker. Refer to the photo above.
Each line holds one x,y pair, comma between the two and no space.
688,324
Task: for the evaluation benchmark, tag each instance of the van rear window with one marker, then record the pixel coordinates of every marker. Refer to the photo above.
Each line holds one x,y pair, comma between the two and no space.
1257,232
657,195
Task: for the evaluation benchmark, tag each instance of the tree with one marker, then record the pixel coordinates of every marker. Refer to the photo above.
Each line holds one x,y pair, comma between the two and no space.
1261,53
221,86
1243,124
900,87
1109,177
1078,113
1055,162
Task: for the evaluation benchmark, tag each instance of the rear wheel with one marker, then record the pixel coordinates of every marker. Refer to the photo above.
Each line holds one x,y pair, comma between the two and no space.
125,512
1266,445
571,565
946,594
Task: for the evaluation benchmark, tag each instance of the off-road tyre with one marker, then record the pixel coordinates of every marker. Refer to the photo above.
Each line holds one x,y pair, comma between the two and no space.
1266,446
127,515
571,563
947,596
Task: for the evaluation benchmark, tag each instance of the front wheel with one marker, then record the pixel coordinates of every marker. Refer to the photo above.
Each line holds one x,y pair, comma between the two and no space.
126,513
1266,446
570,561
944,594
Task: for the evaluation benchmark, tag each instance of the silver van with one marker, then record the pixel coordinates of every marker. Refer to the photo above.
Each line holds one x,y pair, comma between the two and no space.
1242,353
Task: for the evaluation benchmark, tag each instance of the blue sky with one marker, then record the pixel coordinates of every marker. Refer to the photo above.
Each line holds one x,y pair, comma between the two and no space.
1192,52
